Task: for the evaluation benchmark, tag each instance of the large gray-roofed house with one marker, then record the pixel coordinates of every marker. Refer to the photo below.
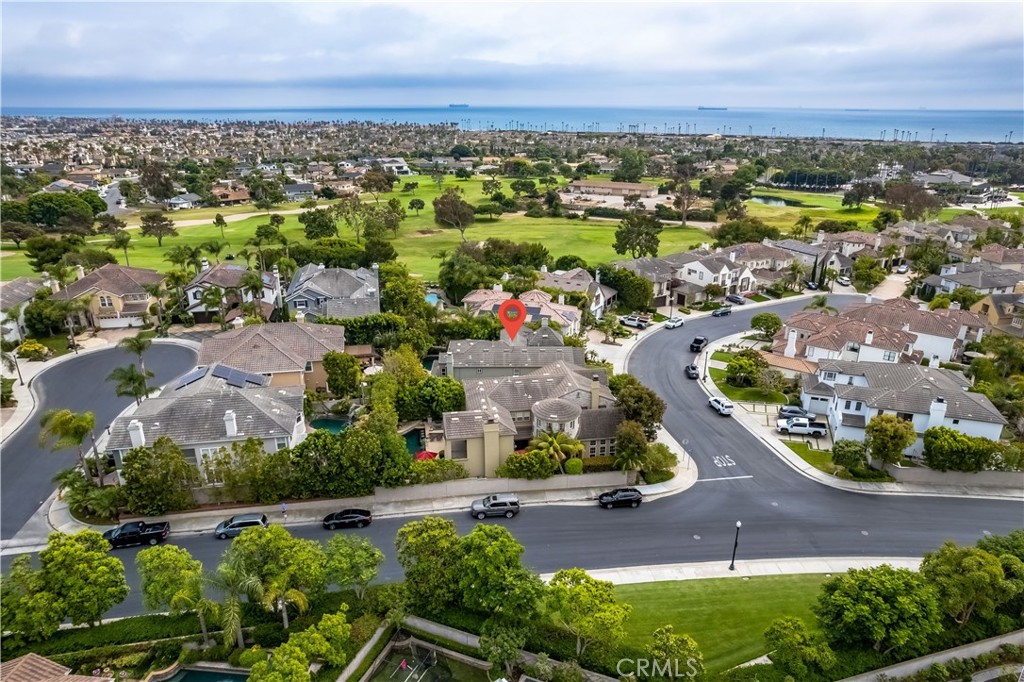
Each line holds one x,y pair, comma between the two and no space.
470,358
852,393
333,292
206,413
14,296
982,277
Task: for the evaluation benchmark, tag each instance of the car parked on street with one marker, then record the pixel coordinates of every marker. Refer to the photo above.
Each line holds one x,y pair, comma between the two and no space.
812,285
722,312
233,527
692,371
790,411
698,344
722,406
674,322
137,533
621,497
502,504
348,518
736,298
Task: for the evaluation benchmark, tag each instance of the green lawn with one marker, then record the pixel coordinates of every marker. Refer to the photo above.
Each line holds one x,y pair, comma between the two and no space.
418,241
727,616
750,395
819,459
722,356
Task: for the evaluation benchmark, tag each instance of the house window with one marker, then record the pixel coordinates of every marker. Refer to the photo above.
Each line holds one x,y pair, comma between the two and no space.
889,356
196,295
848,404
593,450
858,406
853,346
1018,322
300,304
309,366
106,302
830,376
281,443
905,416
880,413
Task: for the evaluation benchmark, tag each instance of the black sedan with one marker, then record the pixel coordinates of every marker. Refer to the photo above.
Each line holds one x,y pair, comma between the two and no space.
621,497
348,518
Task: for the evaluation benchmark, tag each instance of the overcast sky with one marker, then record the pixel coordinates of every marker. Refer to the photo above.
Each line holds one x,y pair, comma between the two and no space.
271,55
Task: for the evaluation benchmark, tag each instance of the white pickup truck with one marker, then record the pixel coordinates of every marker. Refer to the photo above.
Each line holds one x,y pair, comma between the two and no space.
635,321
801,426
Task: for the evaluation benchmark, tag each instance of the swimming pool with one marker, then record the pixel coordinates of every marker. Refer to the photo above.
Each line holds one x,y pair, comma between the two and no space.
207,676
332,424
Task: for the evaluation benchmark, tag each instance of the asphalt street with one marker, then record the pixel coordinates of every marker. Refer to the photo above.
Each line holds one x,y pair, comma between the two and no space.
26,468
784,514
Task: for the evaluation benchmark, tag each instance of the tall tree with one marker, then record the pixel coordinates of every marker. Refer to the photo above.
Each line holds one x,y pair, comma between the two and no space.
129,382
220,223
82,575
214,247
171,578
31,612
319,224
122,239
66,429
109,224
451,210
417,205
156,224
638,235
428,552
587,608
158,479
236,582
352,562
887,436
970,582
492,578
820,304
557,445
136,345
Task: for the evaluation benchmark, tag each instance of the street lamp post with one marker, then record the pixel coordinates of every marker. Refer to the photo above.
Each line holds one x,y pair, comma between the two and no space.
735,544
706,355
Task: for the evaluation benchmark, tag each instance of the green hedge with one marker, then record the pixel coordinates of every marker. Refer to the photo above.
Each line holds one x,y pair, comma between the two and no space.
601,463
374,652
137,659
124,631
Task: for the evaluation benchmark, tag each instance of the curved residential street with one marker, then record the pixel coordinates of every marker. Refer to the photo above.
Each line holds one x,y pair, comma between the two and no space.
784,514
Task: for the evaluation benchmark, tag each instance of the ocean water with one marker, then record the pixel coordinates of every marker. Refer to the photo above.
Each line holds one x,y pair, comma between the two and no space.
870,124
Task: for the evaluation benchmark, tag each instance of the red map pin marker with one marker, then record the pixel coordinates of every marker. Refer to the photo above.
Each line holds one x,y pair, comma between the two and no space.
512,314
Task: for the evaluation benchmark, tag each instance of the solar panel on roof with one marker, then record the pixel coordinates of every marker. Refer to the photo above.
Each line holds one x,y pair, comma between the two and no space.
191,377
221,372
236,379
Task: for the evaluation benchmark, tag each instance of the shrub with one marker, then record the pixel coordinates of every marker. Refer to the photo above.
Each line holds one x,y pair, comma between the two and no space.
269,635
7,393
33,350
604,212
706,215
652,477
530,465
596,464
437,471
685,311
251,657
364,627
124,631
573,466
535,212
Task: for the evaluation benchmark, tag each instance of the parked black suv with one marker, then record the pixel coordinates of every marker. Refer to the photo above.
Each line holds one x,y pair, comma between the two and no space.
698,344
736,298
722,312
621,497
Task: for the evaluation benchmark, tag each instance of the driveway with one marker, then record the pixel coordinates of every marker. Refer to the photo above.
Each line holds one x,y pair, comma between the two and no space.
892,287
79,384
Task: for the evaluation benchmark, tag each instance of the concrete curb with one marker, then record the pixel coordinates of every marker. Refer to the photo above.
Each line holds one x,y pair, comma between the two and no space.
799,465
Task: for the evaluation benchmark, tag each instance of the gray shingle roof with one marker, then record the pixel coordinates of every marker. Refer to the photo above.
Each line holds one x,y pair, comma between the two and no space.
194,418
18,291
470,424
600,423
226,276
912,388
556,409
117,279
480,354
270,348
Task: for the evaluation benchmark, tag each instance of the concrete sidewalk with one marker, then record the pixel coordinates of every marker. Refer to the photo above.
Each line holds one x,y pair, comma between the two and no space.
768,436
745,568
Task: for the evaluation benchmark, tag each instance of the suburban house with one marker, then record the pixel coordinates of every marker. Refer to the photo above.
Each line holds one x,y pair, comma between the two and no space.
809,254
983,278
472,358
852,393
941,334
656,271
599,296
396,165
816,337
299,191
117,295
1003,257
182,201
503,412
231,196
228,278
539,307
14,296
316,292
35,668
1003,312
289,353
699,269
210,408
62,186
620,189
854,244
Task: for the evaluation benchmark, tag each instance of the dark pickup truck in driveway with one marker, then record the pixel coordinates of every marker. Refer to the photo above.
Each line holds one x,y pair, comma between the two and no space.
137,533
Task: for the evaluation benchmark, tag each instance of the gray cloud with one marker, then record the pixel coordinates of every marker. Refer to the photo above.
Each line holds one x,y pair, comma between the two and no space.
952,55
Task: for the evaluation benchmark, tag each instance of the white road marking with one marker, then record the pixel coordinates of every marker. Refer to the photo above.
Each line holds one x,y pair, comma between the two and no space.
722,478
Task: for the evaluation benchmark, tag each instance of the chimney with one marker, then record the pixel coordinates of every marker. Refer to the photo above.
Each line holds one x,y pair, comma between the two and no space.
561,299
869,338
79,272
704,246
937,412
300,316
955,305
878,241
51,282
597,276
595,392
869,299
820,237
320,266
449,363
204,264
767,242
498,287
238,322
544,268
544,320
732,256
230,424
135,433
790,351
975,259
492,446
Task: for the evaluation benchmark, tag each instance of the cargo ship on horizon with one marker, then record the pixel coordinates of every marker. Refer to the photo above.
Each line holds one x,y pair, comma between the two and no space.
458,106
712,108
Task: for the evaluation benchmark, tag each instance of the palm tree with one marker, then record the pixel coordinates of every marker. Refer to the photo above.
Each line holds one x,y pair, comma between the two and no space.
232,580
795,272
218,221
889,253
121,240
191,597
820,303
9,359
557,445
177,279
247,255
65,429
214,247
138,345
803,223
183,256
131,382
215,297
279,596
252,283
258,243
71,309
157,291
